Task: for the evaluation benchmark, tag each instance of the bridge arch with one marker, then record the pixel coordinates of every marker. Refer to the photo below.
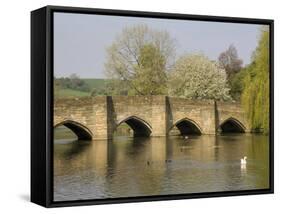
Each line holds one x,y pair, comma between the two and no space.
187,126
232,125
81,131
140,127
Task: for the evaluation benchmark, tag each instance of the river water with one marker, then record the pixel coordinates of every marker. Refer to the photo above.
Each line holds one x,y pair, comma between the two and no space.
128,167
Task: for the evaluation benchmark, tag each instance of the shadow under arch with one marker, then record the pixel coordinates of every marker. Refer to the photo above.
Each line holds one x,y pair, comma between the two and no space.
81,131
140,127
187,126
232,125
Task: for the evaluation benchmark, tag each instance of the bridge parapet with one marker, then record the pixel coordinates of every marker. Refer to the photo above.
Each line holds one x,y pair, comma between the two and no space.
149,115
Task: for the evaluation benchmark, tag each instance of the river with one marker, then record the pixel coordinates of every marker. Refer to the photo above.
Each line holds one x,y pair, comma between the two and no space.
128,167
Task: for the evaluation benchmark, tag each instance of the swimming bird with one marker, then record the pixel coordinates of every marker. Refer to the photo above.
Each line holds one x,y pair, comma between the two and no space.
243,161
186,137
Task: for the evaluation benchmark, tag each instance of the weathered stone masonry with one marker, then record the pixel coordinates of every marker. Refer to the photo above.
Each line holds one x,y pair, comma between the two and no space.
98,117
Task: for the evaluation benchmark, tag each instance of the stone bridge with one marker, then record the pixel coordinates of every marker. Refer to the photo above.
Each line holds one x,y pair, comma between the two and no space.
98,117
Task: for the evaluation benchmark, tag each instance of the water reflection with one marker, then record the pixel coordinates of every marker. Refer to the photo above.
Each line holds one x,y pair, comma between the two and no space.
130,166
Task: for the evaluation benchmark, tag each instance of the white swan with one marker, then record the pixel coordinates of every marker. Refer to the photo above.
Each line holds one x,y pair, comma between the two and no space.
244,161
185,137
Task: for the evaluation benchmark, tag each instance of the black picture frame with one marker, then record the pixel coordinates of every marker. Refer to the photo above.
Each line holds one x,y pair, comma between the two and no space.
42,104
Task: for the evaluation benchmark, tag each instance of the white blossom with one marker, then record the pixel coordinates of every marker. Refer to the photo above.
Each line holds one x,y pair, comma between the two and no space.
196,77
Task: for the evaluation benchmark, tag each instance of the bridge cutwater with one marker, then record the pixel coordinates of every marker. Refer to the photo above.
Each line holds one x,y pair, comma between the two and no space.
98,117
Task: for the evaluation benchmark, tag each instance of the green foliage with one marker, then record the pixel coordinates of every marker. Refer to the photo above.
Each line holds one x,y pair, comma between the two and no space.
255,96
95,83
150,76
117,87
232,65
97,86
72,82
236,83
98,92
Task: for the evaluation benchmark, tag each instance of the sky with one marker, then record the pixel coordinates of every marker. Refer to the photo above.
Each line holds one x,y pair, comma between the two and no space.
80,40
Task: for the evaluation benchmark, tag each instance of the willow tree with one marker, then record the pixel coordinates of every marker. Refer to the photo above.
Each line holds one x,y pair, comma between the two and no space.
255,96
196,77
138,60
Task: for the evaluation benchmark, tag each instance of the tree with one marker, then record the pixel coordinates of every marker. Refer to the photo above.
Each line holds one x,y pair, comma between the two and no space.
255,96
150,75
196,77
98,92
117,87
130,54
72,82
230,61
236,84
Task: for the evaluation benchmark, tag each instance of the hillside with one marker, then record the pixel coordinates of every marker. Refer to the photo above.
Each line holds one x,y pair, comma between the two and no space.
96,84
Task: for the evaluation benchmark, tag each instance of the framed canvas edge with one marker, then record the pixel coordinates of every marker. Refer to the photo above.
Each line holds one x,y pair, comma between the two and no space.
39,164
49,105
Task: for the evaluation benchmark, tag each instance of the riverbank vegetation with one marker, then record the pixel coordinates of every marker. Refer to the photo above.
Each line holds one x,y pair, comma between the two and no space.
255,93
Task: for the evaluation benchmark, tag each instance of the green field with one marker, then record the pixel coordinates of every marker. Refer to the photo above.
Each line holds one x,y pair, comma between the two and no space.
71,93
96,83
93,83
